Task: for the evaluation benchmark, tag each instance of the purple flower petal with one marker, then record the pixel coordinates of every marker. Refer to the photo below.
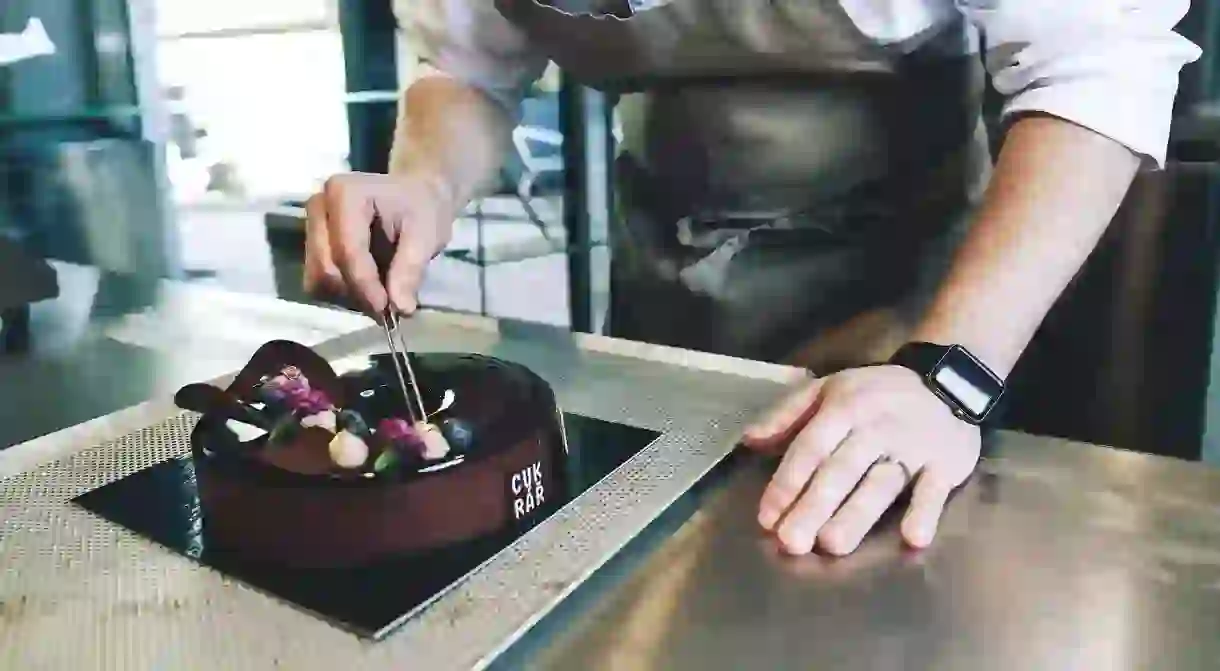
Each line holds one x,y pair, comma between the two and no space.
309,402
401,435
295,397
393,428
295,387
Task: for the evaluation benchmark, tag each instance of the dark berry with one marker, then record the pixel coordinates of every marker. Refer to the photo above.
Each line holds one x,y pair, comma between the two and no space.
457,433
271,395
353,423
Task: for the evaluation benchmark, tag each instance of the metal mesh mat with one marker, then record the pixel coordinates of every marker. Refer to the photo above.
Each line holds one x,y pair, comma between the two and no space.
55,483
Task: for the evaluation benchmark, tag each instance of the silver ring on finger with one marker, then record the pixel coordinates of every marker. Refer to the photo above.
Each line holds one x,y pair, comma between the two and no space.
908,473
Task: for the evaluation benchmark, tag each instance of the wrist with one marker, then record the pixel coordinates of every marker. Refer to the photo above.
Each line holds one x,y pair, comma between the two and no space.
995,348
958,378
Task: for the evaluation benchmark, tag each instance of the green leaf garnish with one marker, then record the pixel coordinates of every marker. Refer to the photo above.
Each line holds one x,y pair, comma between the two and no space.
385,461
284,429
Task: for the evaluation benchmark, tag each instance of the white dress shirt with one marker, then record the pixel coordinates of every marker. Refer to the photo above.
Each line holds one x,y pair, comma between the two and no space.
1109,65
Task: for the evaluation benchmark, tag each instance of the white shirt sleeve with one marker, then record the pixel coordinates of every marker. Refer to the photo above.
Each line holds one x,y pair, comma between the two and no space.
470,41
1109,66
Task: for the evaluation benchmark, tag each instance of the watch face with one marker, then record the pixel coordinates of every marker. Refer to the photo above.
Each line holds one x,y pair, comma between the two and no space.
967,382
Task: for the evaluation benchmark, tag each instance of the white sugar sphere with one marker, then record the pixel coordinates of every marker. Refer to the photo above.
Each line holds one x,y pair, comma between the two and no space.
322,420
347,450
435,445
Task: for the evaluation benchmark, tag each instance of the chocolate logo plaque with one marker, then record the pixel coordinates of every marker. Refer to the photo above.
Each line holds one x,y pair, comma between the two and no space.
527,490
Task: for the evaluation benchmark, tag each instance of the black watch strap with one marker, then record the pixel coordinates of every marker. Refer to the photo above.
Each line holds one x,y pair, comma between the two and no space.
957,377
920,357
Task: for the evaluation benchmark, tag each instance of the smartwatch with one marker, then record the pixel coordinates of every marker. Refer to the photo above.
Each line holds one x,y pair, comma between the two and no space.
957,377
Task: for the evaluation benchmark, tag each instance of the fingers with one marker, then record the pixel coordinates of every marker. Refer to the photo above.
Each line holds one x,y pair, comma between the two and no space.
779,425
812,446
880,488
407,272
830,490
927,504
322,276
832,483
350,216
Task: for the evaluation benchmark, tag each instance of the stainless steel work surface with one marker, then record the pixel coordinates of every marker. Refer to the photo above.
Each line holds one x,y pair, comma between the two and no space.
110,341
1057,556
78,592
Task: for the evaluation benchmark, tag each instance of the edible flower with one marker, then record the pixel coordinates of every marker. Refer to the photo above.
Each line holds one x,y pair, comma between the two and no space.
308,402
401,435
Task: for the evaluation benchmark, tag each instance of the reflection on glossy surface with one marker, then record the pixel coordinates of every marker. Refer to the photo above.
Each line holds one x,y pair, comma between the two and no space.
1077,560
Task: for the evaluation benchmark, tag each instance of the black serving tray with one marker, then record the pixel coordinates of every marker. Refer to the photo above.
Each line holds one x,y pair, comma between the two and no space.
161,503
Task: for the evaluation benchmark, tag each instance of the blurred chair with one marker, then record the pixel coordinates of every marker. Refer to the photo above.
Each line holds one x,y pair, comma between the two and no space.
536,167
24,279
96,202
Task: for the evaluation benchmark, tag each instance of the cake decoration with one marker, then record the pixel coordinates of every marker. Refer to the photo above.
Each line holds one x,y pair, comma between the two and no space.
458,433
401,442
294,403
352,422
435,445
347,450
398,440
387,460
284,430
446,402
322,420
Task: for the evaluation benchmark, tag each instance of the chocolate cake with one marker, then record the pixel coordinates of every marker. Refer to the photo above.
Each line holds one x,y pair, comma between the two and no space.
302,466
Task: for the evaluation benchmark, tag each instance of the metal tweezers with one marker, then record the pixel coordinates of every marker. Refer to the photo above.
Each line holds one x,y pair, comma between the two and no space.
393,336
383,255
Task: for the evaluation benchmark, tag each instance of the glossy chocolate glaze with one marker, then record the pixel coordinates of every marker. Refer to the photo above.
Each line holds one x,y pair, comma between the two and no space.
285,504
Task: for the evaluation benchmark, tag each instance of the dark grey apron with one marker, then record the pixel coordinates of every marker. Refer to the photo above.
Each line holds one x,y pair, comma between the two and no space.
780,172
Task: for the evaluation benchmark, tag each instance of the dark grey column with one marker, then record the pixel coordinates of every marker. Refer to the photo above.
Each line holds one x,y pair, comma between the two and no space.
588,149
370,58
1199,79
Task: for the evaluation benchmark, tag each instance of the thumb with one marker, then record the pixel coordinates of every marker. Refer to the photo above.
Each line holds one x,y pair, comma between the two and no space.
783,421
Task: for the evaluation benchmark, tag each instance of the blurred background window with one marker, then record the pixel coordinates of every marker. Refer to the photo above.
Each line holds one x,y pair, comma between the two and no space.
254,91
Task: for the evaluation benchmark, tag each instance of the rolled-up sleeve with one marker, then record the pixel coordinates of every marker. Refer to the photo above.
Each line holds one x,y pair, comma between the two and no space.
1109,66
470,41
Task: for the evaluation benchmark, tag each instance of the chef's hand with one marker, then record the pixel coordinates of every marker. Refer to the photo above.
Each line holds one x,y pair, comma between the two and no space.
835,480
418,219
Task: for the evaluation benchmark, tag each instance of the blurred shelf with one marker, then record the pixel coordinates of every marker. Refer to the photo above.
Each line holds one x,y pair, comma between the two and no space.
392,96
123,113
251,31
371,97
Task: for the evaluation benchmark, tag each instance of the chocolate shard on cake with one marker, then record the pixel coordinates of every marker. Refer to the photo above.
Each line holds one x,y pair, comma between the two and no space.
343,477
